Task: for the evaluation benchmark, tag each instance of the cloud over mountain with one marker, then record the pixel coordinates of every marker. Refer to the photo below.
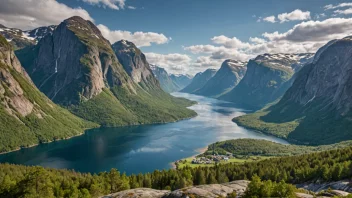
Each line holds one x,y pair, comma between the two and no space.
28,14
141,39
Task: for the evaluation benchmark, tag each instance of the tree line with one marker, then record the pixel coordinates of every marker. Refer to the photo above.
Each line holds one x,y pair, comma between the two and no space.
33,181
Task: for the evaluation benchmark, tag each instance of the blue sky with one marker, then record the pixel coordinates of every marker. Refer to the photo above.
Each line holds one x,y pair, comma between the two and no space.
187,36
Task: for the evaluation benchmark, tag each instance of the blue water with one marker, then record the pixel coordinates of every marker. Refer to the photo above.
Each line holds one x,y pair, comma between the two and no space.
141,148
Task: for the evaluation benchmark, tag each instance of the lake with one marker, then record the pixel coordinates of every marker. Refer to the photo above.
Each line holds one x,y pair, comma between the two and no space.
142,148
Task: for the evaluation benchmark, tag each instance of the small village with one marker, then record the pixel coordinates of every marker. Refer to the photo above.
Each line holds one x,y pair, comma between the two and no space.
207,160
210,159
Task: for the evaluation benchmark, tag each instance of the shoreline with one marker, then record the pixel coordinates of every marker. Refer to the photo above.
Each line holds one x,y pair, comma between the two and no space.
199,150
289,140
84,130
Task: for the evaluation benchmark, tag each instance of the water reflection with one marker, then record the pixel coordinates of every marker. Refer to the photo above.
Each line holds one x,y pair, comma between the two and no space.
141,148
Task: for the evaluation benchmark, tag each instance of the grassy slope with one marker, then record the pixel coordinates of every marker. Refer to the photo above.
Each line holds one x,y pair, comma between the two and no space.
57,124
254,147
118,107
254,121
187,162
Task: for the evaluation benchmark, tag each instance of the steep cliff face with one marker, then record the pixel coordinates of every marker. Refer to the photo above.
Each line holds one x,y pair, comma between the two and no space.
166,83
181,80
228,77
27,116
76,67
20,39
73,64
199,80
320,97
135,64
267,79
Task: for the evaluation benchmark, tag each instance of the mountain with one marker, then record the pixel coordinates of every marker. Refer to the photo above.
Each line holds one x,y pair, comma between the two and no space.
199,80
28,117
20,39
225,79
267,78
77,68
181,80
166,83
135,64
317,107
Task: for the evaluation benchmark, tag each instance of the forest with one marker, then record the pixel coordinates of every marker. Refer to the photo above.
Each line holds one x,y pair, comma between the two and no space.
27,181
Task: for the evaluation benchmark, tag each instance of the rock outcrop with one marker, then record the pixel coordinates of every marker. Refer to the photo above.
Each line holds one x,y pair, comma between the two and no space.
208,191
342,187
225,79
26,115
199,80
267,78
135,63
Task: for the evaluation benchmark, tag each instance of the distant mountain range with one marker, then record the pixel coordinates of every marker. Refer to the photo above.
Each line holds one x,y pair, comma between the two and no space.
170,83
199,80
228,76
20,39
267,78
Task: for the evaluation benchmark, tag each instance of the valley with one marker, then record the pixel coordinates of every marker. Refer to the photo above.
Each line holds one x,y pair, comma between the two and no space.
132,99
156,146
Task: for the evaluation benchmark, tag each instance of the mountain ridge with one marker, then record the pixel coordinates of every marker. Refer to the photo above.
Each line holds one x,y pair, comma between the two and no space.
78,68
226,78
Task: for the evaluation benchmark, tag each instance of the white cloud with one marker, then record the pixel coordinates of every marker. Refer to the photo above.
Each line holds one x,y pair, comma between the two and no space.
229,42
141,39
113,4
173,63
131,7
28,14
341,5
270,19
347,11
305,37
256,40
296,15
314,31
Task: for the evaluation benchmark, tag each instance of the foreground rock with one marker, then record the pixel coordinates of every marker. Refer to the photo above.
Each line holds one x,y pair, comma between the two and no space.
339,186
211,190
139,192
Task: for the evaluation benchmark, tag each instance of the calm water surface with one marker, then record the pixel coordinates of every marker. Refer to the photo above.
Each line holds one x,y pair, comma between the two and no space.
141,148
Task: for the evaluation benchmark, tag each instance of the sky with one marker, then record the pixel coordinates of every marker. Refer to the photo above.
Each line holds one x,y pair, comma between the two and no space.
189,36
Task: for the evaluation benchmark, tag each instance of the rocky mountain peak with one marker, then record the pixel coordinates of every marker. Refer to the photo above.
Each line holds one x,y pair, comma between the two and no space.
134,62
85,30
74,63
126,46
327,78
284,61
234,66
